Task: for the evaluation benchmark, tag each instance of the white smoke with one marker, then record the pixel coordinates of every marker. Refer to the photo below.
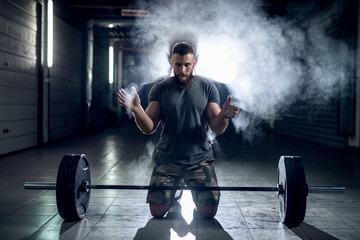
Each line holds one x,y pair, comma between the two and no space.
267,63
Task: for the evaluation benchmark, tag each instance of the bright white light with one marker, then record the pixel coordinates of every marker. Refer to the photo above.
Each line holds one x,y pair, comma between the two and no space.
111,25
187,206
111,64
50,25
221,63
175,236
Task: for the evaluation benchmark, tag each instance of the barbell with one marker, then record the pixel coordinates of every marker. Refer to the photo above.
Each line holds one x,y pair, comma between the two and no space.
73,185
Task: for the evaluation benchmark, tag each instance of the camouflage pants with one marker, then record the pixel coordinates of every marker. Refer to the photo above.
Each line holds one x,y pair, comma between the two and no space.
170,174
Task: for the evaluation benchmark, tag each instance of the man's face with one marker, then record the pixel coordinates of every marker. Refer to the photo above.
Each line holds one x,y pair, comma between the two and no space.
183,66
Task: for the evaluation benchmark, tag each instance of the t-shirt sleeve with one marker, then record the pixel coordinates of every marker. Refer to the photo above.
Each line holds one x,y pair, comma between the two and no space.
154,94
214,95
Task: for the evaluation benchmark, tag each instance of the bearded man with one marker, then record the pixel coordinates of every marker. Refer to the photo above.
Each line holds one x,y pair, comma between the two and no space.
186,105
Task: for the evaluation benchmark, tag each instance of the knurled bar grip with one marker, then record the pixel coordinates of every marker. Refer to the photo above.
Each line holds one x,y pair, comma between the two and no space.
52,186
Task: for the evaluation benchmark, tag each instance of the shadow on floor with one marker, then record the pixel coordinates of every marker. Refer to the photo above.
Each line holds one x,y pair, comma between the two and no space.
174,226
306,231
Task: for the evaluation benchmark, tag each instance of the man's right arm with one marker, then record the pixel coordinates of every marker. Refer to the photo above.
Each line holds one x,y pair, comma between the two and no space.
147,120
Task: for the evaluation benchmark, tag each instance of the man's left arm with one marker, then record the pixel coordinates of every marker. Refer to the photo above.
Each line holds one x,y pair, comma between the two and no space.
219,118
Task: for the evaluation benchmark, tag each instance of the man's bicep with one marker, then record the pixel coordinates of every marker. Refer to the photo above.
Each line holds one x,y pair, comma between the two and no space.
212,110
153,111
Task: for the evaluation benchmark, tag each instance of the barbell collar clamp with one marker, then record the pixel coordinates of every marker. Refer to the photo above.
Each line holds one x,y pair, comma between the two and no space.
85,186
281,190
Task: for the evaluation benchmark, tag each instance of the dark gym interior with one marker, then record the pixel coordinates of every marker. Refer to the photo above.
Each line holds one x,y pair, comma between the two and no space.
290,65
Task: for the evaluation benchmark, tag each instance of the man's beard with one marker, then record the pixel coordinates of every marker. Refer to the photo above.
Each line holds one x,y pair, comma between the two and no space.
183,84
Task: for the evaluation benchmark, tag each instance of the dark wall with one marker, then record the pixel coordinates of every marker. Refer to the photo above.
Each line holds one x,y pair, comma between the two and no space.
101,93
18,75
37,104
66,82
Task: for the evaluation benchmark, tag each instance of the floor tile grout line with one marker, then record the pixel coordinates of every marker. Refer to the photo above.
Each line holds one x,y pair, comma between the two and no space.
42,226
247,225
104,155
117,163
304,232
342,220
100,218
147,219
26,204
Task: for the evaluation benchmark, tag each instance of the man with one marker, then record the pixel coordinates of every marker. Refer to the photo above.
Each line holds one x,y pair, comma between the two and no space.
186,105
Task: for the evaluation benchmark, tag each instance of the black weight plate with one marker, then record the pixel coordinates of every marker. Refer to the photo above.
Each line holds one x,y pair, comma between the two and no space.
61,183
287,199
82,197
73,197
301,191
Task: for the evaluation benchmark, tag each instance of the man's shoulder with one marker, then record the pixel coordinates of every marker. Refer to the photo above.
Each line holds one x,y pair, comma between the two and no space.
160,86
206,82
163,82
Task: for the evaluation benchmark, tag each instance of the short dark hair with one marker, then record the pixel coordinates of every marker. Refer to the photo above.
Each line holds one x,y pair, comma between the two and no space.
183,48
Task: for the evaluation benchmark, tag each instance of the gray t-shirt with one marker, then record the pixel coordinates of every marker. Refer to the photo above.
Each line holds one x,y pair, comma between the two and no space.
184,121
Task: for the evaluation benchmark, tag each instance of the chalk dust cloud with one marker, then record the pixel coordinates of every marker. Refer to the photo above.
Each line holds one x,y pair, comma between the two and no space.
267,63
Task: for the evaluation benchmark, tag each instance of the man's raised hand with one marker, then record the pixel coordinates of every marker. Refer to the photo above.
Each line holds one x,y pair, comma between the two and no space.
230,110
130,101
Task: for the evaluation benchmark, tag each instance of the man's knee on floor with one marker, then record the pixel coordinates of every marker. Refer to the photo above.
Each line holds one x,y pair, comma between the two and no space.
159,210
207,211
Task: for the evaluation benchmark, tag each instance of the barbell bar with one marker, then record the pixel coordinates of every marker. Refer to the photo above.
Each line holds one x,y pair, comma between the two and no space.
73,187
311,189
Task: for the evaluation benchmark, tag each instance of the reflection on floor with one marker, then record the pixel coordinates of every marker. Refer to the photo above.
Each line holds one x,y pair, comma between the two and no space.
124,156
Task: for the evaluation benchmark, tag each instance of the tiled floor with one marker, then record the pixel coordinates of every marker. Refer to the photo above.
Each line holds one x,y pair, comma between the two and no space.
123,156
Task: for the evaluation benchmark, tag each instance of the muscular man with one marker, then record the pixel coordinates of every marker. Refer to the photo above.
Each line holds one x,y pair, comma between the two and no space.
186,105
